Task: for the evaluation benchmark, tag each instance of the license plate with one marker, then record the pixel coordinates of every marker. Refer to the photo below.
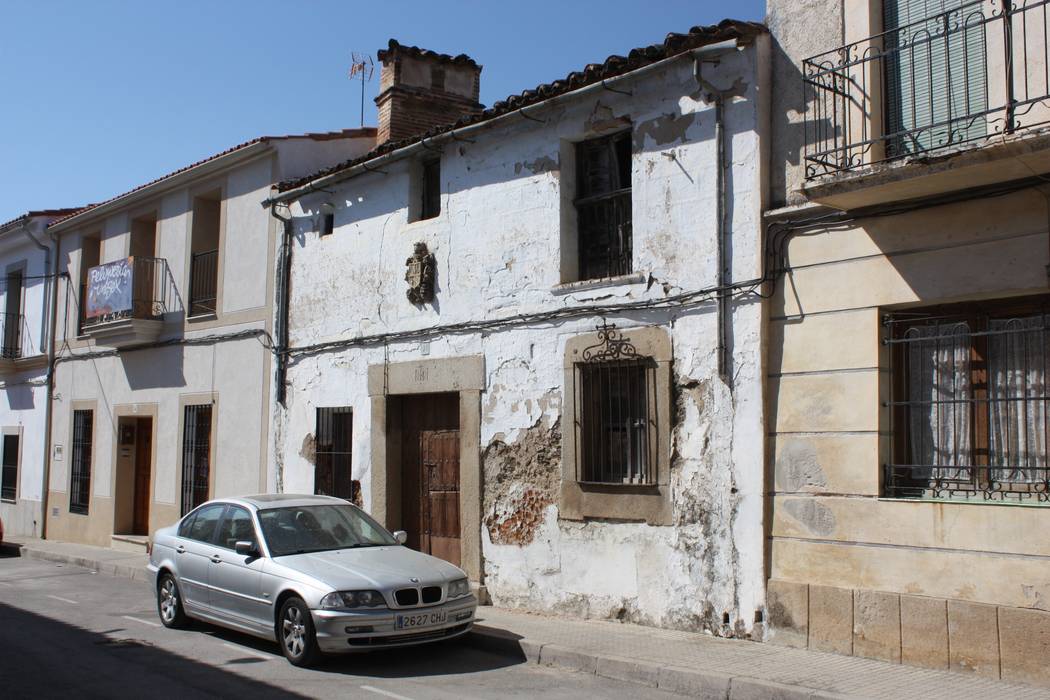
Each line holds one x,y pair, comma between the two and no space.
423,619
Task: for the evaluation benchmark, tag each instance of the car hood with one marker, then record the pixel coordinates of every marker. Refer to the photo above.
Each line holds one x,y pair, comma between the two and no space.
372,568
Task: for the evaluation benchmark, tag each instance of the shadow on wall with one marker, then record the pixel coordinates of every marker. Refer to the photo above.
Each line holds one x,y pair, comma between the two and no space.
19,397
154,370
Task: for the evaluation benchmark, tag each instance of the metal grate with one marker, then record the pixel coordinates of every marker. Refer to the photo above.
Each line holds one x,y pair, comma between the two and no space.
204,282
196,455
603,206
333,446
614,427
972,70
80,462
970,408
9,469
13,335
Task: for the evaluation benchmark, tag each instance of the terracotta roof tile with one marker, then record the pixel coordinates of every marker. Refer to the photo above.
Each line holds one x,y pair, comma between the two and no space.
394,48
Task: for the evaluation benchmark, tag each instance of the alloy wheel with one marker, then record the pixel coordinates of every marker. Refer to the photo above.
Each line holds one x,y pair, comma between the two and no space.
294,631
169,600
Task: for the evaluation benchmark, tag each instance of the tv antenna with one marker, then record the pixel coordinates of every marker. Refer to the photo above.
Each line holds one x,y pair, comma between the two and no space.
361,68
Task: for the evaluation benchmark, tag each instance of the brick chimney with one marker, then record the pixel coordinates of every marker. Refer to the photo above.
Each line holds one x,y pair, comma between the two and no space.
420,89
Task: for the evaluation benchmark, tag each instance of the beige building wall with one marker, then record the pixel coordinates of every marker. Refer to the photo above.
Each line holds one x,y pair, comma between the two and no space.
836,543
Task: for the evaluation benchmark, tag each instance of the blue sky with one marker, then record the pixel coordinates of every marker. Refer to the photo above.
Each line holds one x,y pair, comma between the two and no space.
100,96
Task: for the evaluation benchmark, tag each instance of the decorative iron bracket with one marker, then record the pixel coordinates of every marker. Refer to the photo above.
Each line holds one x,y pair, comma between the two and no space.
611,345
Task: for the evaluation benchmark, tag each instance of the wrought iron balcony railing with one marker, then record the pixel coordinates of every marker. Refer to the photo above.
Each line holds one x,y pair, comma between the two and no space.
204,282
15,334
132,288
978,70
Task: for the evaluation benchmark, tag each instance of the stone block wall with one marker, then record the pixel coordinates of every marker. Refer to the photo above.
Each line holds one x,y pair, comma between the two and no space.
994,641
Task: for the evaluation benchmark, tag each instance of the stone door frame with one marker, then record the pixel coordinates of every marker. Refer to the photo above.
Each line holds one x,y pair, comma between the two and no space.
464,376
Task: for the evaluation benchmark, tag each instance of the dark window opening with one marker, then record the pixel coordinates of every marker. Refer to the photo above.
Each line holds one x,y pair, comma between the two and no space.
327,224
332,456
431,189
196,456
80,462
615,430
204,253
437,78
9,469
12,333
970,408
603,206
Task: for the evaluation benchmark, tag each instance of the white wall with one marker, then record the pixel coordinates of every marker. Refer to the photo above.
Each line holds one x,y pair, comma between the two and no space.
497,243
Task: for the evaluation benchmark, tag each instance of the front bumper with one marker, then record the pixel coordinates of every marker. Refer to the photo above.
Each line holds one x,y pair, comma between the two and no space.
342,631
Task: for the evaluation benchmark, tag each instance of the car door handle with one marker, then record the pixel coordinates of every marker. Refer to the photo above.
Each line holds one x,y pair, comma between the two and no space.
216,559
180,549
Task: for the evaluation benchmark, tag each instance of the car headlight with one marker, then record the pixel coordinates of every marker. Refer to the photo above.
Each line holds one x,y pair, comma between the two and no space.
353,599
459,587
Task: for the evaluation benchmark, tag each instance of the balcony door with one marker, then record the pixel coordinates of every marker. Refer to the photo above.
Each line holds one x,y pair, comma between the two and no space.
936,74
13,315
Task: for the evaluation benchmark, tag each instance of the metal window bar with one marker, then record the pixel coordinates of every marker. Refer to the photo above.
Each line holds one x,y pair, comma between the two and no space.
603,206
976,69
80,462
204,282
196,455
614,436
333,445
13,334
970,406
9,468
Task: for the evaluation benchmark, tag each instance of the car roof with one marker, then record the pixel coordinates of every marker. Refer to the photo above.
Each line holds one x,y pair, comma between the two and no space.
287,500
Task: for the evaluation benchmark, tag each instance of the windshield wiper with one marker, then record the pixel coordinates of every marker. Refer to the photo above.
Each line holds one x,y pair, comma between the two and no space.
364,544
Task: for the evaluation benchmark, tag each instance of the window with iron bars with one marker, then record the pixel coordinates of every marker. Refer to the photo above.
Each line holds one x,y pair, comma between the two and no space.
614,427
970,411
332,458
80,461
9,468
603,206
196,455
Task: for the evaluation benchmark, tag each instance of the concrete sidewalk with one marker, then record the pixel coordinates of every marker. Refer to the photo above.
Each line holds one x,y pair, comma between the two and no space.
695,665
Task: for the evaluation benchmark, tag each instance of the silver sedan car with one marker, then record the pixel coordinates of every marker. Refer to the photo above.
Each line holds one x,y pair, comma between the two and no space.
316,574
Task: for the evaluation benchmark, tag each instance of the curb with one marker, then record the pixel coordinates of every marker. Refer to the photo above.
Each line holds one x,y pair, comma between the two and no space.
135,573
692,682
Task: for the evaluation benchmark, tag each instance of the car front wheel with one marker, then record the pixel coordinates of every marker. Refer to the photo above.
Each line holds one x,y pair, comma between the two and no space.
169,603
295,632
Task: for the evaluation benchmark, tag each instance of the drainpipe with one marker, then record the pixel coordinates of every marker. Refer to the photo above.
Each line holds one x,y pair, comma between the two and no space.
48,326
283,284
714,95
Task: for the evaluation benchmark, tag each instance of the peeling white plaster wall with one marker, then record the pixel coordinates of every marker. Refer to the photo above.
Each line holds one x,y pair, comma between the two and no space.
497,244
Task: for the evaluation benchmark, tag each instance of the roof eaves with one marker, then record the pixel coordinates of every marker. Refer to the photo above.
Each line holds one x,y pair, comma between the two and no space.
614,66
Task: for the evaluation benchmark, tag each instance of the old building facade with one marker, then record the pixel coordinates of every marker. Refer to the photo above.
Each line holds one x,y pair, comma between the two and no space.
27,260
908,336
163,360
531,340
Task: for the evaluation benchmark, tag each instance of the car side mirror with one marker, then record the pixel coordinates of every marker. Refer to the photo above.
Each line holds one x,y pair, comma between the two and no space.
401,536
246,548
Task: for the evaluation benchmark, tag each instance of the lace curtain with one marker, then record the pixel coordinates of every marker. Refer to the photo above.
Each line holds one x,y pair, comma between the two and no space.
939,391
1018,419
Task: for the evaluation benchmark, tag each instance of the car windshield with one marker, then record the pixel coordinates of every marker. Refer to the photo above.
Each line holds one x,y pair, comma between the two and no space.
320,528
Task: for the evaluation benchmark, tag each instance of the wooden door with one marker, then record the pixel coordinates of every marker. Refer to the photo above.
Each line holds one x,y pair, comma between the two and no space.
143,458
439,456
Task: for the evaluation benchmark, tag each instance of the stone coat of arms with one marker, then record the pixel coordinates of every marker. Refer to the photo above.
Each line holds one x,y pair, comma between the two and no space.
420,275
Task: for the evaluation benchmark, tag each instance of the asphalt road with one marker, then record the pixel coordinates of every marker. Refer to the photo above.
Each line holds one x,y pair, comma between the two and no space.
69,632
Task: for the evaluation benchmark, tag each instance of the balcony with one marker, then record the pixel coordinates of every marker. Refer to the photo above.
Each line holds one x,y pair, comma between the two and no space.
959,99
126,302
204,282
17,351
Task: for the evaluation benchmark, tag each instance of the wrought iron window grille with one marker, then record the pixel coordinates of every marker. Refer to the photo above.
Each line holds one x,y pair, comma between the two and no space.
969,409
80,462
615,427
603,206
196,455
333,452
